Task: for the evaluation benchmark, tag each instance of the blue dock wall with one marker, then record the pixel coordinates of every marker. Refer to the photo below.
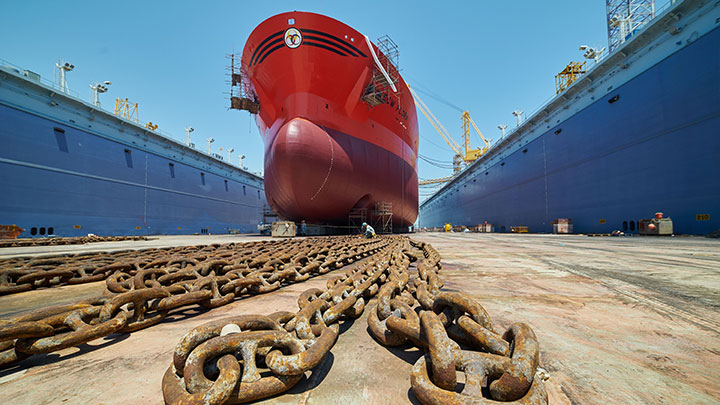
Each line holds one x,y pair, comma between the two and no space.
57,176
655,148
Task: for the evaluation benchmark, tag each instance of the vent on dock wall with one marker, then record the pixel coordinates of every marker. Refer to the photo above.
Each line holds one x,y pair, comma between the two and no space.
61,139
128,158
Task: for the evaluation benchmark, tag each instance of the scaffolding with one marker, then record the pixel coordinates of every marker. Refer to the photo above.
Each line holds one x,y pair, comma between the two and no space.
356,218
127,110
242,97
380,91
569,75
268,215
624,17
382,216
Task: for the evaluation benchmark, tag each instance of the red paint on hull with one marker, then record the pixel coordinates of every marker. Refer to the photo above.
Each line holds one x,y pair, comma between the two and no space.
326,150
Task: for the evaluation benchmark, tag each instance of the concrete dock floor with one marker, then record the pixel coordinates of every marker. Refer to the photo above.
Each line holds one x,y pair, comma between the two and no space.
619,321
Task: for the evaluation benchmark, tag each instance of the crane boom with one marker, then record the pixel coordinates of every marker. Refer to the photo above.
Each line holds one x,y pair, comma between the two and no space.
463,154
435,181
472,155
436,123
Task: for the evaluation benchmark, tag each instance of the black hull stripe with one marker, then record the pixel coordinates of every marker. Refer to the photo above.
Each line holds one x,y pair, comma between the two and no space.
306,41
336,45
325,47
309,31
271,51
261,44
342,48
260,56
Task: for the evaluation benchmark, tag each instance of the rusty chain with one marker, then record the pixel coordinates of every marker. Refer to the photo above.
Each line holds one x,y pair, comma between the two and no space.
141,291
26,273
220,362
72,240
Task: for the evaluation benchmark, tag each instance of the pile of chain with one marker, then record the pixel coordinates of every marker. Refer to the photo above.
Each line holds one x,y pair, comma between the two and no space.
26,273
141,292
250,357
74,240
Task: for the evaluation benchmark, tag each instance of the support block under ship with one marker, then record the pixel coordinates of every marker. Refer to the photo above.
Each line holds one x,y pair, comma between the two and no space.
69,168
638,133
337,120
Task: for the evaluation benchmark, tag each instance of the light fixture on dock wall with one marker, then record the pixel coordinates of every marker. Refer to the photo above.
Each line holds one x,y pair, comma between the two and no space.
187,135
64,67
592,53
518,114
502,129
97,89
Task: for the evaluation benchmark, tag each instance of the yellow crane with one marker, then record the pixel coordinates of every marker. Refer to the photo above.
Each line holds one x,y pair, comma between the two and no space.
472,155
129,110
463,154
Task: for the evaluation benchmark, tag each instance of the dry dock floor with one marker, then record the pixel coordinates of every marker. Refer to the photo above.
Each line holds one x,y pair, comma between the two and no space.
619,321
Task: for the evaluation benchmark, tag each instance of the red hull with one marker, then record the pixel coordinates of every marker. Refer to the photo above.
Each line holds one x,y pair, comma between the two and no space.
326,150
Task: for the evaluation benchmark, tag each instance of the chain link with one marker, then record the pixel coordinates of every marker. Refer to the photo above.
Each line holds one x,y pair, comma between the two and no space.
250,357
27,273
455,331
73,240
143,289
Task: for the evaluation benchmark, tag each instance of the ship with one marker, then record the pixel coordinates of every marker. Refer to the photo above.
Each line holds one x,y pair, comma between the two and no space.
71,168
635,135
337,120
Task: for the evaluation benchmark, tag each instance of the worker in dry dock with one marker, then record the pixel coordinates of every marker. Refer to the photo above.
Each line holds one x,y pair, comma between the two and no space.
368,230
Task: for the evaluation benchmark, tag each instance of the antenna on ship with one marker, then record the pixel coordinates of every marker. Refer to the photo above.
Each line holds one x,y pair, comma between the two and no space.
187,136
241,157
64,67
97,89
502,129
210,141
518,114
229,151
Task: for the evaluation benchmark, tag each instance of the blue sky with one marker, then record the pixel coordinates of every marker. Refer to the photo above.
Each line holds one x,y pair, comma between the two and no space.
486,57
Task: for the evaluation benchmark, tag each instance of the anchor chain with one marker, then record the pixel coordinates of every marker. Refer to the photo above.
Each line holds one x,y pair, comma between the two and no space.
72,240
220,362
26,273
142,291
